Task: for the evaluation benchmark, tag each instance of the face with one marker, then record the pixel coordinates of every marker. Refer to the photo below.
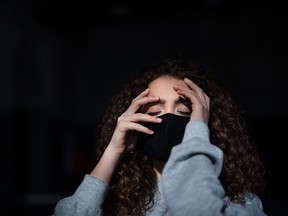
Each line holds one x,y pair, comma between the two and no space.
170,101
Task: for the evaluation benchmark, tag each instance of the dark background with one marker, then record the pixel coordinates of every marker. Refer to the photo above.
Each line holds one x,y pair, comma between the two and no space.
61,62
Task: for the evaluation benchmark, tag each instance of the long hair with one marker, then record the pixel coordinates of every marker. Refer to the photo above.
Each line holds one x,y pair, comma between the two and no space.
133,184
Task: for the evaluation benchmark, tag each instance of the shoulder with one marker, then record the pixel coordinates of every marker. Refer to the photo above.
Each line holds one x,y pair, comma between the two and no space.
252,203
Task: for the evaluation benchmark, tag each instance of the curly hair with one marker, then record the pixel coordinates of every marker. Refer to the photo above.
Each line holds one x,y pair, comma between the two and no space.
133,184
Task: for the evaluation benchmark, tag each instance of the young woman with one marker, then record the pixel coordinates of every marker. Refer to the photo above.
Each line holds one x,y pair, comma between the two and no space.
171,143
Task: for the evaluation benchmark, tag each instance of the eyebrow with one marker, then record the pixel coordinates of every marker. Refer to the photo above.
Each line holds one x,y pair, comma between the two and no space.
176,101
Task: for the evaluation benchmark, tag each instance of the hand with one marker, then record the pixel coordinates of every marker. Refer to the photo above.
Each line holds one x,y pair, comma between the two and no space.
200,102
124,137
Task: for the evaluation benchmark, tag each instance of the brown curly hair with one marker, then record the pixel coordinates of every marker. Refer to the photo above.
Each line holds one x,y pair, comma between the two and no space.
133,184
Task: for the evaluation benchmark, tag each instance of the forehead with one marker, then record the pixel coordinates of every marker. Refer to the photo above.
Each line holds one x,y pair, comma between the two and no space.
165,82
163,86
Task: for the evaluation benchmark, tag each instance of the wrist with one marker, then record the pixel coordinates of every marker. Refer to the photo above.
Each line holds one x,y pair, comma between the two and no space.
113,151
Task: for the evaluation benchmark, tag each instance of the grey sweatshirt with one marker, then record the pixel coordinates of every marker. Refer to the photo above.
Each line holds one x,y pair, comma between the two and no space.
189,184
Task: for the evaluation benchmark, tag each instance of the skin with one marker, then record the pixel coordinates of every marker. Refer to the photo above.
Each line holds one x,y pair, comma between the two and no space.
159,98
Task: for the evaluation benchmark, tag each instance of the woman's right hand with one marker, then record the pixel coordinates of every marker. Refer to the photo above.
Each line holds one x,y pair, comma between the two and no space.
124,137
128,124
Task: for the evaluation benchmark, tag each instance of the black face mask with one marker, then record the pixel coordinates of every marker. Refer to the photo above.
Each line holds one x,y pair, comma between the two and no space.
166,135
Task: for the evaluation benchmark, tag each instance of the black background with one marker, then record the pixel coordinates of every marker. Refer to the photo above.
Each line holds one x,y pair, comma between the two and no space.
61,62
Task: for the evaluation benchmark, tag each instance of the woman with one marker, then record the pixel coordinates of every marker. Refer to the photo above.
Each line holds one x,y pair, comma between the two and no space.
171,143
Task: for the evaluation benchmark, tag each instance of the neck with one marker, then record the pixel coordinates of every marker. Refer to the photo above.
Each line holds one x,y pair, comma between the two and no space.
158,167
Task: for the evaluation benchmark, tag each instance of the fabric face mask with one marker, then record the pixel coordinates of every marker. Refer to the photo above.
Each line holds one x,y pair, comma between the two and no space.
166,135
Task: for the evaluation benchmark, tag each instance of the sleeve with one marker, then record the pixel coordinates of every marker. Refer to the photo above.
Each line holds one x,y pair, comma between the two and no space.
86,201
190,181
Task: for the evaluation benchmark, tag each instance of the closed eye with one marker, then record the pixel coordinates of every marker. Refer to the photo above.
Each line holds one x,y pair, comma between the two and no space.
153,113
184,113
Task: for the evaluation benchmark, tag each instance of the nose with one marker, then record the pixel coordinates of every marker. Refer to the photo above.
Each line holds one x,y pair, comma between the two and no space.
169,109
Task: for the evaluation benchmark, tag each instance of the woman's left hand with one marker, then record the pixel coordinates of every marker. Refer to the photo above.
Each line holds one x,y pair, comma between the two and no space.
200,102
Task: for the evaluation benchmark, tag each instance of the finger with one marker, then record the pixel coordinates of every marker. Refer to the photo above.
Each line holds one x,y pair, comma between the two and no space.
186,92
127,124
139,101
192,96
195,88
139,117
200,109
192,85
143,93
